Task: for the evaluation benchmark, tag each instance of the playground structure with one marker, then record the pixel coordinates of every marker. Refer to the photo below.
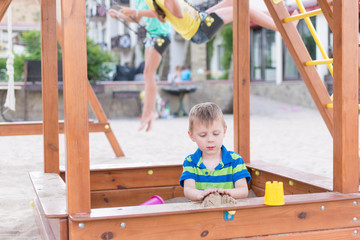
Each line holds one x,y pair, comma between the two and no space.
102,203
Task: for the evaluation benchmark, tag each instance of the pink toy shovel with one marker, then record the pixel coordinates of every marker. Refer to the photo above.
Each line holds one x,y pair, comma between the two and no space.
154,200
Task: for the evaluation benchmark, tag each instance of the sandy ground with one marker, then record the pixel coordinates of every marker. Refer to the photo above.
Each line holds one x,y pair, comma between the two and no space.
283,134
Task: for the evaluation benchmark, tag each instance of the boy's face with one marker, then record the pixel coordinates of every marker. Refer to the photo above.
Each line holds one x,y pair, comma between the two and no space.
209,138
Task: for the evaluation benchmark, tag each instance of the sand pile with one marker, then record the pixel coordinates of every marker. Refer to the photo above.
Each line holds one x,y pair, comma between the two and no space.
217,199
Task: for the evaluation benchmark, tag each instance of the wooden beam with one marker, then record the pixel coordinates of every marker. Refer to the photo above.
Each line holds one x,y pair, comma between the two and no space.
4,4
344,233
76,106
36,128
49,72
100,115
327,9
132,197
241,80
301,213
346,155
300,55
126,178
294,181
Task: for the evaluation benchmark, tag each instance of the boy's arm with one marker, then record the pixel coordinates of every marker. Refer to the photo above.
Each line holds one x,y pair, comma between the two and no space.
194,194
240,191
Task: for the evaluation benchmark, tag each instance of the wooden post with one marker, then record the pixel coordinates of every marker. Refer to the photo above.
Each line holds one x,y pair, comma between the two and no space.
100,115
76,106
4,4
346,159
50,96
241,80
327,9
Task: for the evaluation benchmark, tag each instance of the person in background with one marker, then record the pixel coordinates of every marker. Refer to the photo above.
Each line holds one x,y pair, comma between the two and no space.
154,29
186,73
175,77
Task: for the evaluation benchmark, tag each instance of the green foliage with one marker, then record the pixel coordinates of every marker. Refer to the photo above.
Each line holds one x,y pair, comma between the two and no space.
210,48
227,36
96,57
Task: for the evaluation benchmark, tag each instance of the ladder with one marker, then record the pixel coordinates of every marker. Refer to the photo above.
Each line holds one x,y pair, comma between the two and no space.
305,65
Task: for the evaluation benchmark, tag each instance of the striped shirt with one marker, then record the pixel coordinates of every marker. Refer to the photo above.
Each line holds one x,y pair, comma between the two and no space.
230,169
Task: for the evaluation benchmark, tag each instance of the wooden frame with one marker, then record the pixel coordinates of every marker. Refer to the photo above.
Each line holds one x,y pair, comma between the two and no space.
91,203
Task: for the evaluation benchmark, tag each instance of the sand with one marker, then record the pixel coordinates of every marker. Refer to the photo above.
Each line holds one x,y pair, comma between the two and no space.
282,134
217,200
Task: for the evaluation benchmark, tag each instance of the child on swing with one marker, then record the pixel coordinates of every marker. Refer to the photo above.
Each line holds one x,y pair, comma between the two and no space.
153,53
200,27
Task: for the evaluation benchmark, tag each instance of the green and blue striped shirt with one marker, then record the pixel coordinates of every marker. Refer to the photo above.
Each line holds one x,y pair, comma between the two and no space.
230,169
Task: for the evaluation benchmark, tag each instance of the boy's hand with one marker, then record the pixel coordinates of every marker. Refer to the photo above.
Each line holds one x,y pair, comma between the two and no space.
224,191
207,192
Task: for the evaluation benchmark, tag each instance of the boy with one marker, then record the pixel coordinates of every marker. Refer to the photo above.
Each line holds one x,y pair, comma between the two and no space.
212,168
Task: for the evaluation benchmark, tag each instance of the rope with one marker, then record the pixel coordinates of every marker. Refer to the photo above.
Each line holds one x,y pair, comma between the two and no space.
10,97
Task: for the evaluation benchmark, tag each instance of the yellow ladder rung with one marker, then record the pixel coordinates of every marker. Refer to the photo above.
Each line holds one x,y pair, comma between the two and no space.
302,15
319,62
331,105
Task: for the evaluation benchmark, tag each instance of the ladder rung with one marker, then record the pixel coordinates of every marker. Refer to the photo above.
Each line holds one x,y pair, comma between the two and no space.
319,62
331,105
303,15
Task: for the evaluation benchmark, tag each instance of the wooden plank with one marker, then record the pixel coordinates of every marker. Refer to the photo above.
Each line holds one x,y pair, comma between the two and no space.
291,186
339,234
191,221
49,82
50,228
4,4
76,106
100,115
36,128
135,177
258,191
346,155
300,55
294,181
64,230
132,197
50,189
42,222
195,207
327,9
241,82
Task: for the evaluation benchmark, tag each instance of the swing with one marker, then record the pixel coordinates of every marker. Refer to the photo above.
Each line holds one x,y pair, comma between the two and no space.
211,24
10,96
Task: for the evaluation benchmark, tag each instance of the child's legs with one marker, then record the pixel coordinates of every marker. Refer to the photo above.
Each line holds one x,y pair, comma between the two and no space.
152,62
226,14
222,4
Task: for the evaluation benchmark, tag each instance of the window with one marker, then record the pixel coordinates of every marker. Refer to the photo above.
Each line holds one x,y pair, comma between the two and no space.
220,53
290,69
263,55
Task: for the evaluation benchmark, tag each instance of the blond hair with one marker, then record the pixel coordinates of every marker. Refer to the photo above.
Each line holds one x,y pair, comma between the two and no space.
205,113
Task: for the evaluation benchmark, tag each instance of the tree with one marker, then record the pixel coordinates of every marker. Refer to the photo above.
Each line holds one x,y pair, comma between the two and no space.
96,57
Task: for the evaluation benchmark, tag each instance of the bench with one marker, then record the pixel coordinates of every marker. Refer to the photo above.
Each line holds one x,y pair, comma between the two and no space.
50,204
125,94
32,75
